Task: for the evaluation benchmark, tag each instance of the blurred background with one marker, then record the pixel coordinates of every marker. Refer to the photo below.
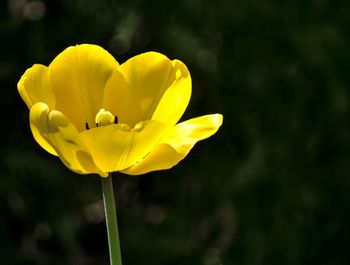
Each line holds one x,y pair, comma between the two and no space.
271,187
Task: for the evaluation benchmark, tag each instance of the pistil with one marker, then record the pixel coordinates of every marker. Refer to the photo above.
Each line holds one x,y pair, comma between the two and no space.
104,117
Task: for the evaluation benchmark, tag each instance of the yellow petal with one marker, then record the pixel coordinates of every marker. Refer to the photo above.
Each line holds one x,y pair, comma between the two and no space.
35,86
54,129
176,98
118,99
156,88
177,143
78,77
116,146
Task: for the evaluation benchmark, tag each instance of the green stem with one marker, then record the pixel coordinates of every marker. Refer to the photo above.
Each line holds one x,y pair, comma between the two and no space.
111,221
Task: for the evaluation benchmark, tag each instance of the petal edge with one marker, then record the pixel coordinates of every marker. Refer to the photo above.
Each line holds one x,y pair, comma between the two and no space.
34,86
177,144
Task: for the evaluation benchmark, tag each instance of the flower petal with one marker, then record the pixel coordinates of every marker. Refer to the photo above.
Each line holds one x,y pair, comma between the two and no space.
176,98
116,146
78,77
156,88
118,99
177,143
52,129
35,86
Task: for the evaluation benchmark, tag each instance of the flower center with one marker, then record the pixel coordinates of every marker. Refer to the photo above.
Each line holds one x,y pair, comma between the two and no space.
103,118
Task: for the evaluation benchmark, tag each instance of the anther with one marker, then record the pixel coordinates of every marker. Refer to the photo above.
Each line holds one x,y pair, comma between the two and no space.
116,119
87,126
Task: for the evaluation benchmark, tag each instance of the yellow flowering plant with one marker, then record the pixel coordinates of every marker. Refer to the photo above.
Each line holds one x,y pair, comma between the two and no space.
99,116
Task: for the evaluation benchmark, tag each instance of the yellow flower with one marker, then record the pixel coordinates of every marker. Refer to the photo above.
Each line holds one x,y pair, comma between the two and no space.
98,116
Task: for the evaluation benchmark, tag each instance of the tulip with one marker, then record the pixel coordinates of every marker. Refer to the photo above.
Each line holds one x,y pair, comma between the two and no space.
99,116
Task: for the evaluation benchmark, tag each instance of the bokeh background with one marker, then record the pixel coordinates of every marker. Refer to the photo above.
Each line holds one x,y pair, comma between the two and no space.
271,187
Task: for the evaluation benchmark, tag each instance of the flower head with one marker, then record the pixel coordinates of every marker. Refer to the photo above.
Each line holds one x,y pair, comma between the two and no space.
98,116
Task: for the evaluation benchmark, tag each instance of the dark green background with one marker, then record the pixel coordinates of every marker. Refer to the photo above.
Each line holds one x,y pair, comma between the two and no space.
271,187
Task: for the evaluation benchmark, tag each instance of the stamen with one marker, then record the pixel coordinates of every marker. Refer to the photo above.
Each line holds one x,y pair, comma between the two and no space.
87,126
116,119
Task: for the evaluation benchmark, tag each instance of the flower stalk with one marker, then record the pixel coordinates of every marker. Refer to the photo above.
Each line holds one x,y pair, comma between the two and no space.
111,221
